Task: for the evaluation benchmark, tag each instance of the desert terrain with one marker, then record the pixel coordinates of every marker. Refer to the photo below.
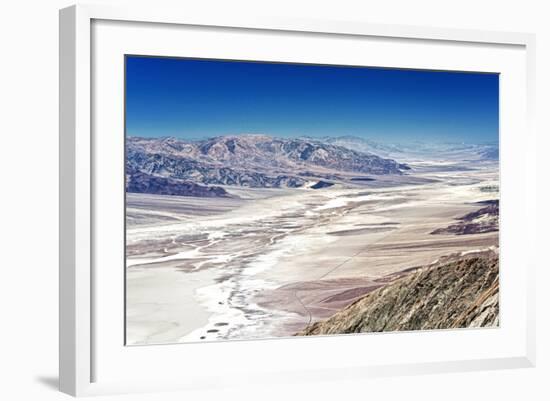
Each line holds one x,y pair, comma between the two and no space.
268,262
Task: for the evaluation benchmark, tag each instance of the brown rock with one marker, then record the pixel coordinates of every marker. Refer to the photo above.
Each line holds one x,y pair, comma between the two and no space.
461,292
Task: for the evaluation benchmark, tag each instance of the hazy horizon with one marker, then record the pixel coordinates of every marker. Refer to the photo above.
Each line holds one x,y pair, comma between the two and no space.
193,99
386,141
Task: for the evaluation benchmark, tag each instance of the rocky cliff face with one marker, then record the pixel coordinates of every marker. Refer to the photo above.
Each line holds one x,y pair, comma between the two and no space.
249,160
458,292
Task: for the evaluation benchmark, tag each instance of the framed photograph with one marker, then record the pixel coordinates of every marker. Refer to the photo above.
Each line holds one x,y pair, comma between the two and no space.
264,199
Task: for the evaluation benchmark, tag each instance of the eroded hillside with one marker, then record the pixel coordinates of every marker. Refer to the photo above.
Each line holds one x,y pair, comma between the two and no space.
457,292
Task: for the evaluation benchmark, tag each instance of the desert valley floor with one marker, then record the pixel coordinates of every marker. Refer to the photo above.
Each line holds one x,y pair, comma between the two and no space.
269,262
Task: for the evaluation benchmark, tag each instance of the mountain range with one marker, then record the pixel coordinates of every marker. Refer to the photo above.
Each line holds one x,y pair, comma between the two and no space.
256,161
419,150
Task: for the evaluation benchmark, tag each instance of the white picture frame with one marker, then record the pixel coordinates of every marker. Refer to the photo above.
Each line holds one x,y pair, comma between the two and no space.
79,346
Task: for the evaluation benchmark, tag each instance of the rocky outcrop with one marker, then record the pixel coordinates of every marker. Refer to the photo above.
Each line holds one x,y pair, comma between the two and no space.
150,184
458,292
321,185
484,220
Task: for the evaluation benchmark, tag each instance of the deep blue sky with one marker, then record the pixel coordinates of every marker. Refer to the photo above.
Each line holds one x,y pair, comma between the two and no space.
194,99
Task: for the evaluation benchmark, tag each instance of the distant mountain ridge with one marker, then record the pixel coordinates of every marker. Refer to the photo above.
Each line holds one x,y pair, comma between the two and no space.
247,160
418,149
